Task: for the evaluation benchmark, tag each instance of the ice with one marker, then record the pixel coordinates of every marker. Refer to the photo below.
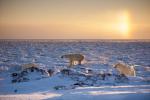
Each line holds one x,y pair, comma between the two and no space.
94,79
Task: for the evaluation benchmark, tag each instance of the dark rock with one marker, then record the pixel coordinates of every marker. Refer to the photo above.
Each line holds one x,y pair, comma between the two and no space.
24,79
15,90
23,73
66,71
14,74
79,84
103,76
121,78
90,71
37,69
50,71
59,87
19,80
32,69
14,81
108,74
42,71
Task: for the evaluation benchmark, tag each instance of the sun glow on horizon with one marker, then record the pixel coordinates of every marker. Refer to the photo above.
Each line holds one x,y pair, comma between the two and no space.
124,24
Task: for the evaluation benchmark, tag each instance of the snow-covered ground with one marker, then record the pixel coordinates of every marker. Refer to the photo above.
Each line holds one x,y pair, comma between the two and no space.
100,56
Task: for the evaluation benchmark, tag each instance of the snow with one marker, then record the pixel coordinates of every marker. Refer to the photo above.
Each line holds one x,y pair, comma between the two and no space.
100,56
88,93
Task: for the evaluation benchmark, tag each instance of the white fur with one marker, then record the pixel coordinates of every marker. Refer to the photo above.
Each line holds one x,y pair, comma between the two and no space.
74,58
126,70
25,66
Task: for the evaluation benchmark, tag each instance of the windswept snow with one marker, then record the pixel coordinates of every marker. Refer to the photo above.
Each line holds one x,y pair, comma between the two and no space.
95,79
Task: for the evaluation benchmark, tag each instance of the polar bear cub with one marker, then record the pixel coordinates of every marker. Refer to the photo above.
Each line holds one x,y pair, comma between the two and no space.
73,57
126,70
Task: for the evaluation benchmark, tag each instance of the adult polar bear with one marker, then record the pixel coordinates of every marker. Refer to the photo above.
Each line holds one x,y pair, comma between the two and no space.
126,70
73,57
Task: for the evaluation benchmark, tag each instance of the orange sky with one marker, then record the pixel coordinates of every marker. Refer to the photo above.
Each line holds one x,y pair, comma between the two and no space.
74,19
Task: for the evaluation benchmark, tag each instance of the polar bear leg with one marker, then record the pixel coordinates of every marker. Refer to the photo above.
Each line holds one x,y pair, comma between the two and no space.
79,62
71,63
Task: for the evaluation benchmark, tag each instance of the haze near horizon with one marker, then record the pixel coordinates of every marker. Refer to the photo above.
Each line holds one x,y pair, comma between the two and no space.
74,19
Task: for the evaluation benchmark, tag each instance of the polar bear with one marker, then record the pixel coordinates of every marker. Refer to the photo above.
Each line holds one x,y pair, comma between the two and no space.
30,65
126,70
74,57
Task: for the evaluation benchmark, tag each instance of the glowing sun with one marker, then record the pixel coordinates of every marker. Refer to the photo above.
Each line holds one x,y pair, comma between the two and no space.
123,25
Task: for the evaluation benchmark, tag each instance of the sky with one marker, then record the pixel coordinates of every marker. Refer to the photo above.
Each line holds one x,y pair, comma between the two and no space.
74,19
